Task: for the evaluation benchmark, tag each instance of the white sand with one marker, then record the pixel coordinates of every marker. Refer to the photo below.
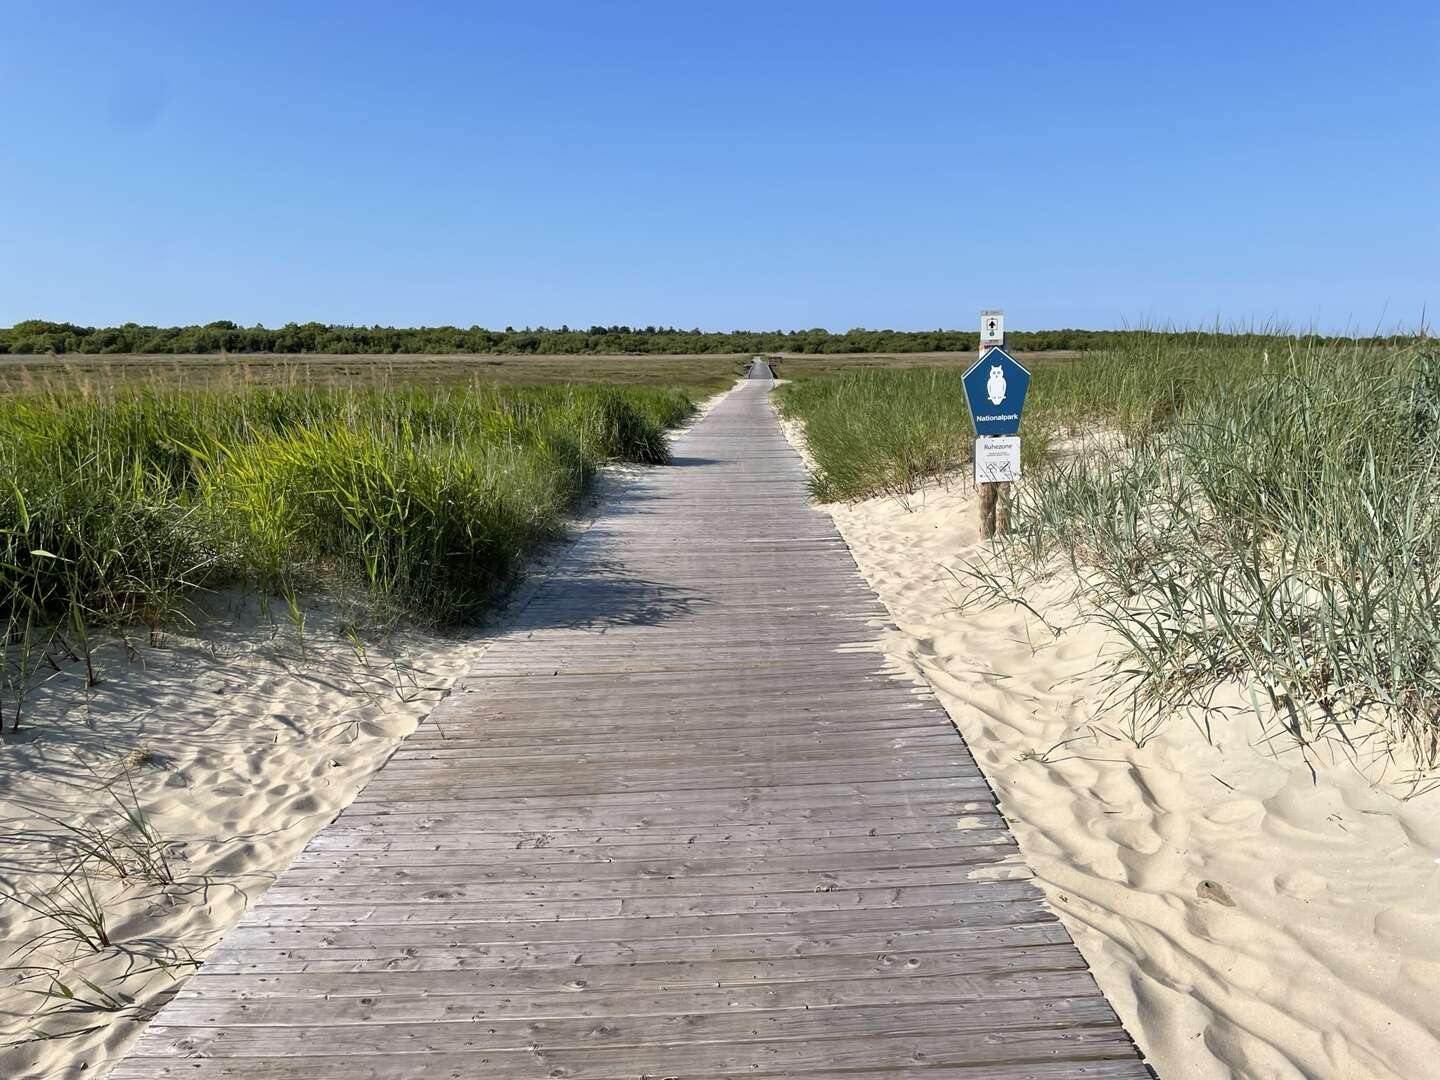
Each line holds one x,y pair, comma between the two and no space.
1245,919
240,744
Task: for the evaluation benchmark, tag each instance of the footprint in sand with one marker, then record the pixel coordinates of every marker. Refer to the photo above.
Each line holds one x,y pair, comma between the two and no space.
1235,811
1300,884
1404,928
238,860
1136,836
1214,892
305,804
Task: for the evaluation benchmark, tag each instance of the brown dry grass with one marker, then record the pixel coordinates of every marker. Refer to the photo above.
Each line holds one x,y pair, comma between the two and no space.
810,365
215,371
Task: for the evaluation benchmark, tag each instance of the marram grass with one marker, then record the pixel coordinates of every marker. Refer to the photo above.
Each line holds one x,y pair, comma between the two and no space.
114,507
1262,513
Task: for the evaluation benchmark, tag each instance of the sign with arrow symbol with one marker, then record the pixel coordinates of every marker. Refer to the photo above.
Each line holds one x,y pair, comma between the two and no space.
992,328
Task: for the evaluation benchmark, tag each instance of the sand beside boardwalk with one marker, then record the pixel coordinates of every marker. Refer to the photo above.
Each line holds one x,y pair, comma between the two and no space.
241,741
1246,919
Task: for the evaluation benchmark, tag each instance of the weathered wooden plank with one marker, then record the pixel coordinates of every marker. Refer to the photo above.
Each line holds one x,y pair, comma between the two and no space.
454,931
778,803
586,886
505,832
871,679
479,738
676,814
338,911
444,777
603,726
559,847
1042,951
761,744
683,817
665,810
391,1007
570,717
414,850
490,956
349,871
675,760
626,1029
980,1049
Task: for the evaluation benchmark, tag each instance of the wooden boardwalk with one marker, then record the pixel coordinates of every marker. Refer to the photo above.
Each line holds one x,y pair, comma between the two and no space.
679,821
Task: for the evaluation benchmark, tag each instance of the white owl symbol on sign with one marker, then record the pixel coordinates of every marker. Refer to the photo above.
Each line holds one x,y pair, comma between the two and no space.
995,385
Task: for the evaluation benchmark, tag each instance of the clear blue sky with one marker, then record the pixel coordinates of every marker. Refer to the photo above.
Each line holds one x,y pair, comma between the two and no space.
723,165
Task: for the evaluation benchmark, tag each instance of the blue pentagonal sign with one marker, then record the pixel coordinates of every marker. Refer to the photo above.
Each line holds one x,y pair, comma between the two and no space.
995,388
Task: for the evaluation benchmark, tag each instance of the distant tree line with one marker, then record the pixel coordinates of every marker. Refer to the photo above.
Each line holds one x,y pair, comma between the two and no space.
34,336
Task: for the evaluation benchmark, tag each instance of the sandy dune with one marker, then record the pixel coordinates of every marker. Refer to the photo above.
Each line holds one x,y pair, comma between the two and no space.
1246,918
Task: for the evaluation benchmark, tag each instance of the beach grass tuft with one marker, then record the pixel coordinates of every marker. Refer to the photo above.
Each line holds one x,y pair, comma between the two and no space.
116,506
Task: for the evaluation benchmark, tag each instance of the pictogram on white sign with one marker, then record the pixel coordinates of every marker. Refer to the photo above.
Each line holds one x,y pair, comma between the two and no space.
997,460
992,328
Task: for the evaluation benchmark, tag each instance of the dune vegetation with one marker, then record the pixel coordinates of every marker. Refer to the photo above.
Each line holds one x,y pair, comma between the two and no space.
116,507
1261,515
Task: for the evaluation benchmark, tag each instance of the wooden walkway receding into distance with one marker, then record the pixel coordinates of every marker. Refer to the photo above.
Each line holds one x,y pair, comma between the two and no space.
681,820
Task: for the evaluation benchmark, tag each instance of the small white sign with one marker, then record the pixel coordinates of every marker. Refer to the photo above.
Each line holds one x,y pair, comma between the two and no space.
997,460
992,329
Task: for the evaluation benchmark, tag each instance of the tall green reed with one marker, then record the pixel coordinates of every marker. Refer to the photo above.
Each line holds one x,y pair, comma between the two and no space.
116,507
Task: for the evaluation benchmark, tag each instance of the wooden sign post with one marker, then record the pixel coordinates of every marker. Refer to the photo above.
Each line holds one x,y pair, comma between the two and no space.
989,497
993,519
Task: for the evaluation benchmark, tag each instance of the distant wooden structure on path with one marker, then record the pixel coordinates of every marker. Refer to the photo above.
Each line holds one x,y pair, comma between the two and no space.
680,820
